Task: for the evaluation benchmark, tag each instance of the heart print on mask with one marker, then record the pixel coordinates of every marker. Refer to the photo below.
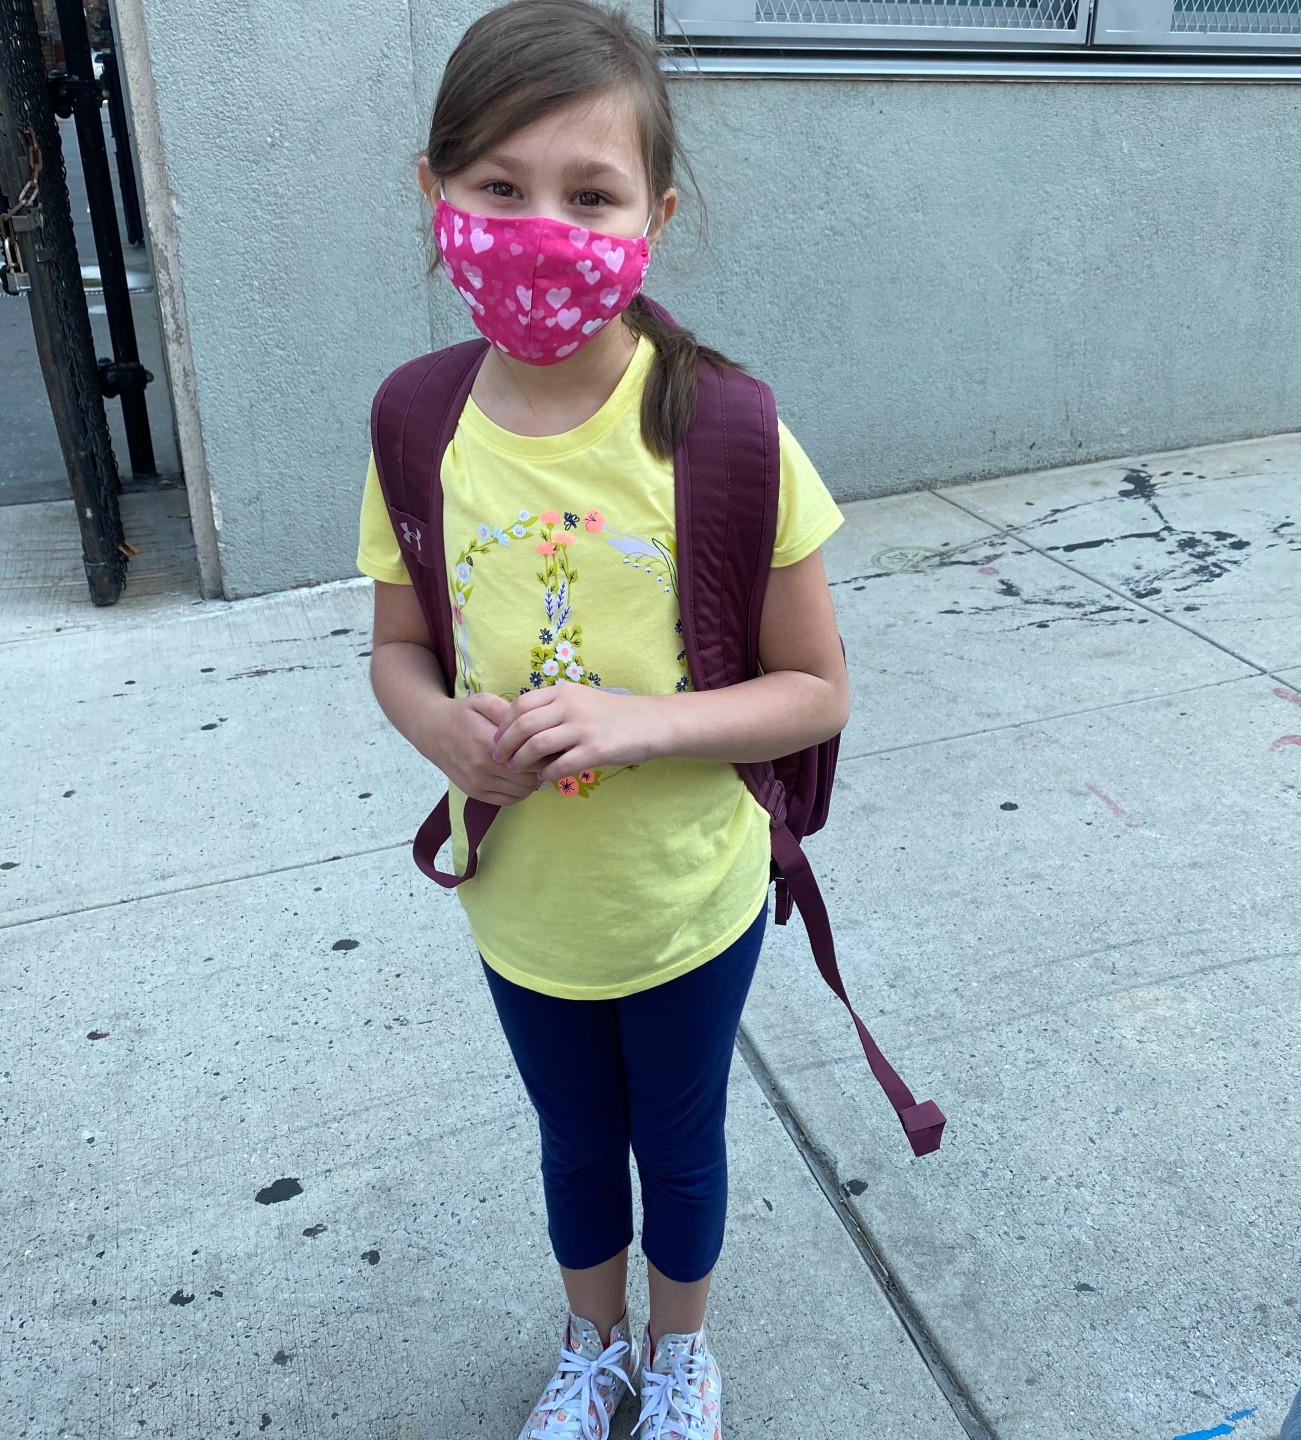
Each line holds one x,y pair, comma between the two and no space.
538,289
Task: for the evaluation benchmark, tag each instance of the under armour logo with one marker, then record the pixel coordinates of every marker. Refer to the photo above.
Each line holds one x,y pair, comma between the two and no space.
412,537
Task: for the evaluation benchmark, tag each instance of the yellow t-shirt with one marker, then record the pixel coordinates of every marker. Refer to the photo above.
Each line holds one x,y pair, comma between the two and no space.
561,559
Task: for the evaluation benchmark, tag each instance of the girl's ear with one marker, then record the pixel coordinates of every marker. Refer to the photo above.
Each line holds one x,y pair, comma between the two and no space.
428,180
668,208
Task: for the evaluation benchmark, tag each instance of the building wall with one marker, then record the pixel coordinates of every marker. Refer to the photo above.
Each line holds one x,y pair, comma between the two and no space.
951,280
286,145
941,280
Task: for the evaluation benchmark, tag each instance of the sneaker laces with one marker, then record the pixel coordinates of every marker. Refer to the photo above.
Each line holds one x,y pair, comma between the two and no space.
673,1400
573,1389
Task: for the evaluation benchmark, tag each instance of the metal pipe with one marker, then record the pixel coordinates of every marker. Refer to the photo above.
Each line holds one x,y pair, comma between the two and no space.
126,174
127,377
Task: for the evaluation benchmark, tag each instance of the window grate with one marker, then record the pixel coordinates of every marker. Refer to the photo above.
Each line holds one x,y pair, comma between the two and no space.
950,14
1211,24
1236,17
1260,26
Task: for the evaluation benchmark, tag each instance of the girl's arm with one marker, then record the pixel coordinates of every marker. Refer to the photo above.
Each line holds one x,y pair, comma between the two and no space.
403,671
801,699
455,735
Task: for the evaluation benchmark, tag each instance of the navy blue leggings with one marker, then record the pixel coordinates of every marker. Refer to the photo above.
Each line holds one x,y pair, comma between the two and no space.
647,1072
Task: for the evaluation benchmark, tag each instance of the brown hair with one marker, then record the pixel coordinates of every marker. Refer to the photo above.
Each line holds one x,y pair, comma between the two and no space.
529,58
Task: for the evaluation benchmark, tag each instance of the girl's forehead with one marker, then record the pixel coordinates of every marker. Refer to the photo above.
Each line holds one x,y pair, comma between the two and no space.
601,130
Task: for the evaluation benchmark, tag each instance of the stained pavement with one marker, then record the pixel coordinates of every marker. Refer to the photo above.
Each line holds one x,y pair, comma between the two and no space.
1062,864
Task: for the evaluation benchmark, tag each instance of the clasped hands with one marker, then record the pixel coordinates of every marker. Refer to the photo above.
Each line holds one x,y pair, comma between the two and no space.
502,751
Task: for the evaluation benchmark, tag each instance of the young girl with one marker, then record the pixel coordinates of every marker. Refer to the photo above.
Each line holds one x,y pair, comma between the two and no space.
620,898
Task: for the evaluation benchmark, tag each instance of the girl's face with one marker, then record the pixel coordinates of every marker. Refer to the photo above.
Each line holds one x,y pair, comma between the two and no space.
581,165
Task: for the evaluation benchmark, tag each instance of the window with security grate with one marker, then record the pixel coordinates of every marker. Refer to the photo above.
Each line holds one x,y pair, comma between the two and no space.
1227,26
950,14
1197,17
1222,25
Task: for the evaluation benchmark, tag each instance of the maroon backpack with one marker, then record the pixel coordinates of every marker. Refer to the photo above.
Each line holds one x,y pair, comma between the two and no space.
727,476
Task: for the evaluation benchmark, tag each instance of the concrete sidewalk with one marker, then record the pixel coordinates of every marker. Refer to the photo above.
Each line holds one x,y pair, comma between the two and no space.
267,1165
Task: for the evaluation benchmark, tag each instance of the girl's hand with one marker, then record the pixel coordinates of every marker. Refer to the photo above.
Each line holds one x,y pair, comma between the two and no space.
568,728
462,749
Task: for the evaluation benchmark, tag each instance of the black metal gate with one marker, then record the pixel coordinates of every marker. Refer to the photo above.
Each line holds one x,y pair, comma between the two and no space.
40,258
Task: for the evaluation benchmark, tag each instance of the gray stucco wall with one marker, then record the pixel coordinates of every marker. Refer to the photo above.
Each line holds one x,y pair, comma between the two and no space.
942,280
298,231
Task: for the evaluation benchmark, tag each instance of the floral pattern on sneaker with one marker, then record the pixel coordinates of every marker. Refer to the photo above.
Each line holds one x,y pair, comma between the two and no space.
681,1391
583,1394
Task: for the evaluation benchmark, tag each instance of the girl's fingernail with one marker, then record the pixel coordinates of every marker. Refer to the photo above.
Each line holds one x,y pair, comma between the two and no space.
496,754
512,766
496,734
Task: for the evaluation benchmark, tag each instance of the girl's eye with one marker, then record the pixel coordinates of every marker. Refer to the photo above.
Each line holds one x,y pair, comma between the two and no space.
590,198
500,189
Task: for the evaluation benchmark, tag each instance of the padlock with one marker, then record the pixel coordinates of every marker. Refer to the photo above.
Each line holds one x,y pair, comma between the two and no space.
14,279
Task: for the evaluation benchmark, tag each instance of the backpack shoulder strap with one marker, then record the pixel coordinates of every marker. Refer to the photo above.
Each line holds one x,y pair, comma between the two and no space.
412,421
727,474
727,477
728,482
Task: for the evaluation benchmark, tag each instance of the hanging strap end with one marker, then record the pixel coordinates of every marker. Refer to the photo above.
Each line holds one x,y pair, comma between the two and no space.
437,831
924,1125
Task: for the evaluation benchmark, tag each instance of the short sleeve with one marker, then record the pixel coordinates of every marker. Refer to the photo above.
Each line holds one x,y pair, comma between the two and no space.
378,553
807,516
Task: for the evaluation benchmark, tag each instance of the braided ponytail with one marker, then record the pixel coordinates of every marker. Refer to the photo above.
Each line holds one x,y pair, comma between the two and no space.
669,403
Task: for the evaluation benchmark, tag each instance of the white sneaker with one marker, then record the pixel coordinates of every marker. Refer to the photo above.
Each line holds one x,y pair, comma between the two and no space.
681,1390
584,1393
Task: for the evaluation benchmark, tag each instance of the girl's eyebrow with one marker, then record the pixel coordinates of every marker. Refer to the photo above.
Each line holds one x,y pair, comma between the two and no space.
498,159
578,170
594,170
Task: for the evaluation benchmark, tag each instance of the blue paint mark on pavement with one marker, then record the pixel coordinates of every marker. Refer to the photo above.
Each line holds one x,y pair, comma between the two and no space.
1225,1429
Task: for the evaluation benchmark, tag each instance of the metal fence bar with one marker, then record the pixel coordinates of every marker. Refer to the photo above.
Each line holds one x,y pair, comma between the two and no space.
43,237
125,377
126,172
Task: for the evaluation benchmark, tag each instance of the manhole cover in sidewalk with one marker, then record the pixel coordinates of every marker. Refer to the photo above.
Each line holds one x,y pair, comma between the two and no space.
904,557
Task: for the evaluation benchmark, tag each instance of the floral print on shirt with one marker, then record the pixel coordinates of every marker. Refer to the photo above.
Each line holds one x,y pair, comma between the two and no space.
462,580
557,657
559,654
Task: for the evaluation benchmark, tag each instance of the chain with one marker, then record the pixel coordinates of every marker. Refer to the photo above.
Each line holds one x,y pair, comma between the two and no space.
27,196
12,273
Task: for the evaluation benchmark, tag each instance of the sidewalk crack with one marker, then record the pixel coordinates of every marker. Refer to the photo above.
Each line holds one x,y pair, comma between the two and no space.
187,889
957,1396
848,759
1021,538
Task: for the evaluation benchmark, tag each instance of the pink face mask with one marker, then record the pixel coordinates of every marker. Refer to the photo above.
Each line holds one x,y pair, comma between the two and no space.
538,289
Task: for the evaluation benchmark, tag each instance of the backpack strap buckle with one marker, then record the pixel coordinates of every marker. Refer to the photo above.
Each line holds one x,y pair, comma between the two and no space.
772,796
785,901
